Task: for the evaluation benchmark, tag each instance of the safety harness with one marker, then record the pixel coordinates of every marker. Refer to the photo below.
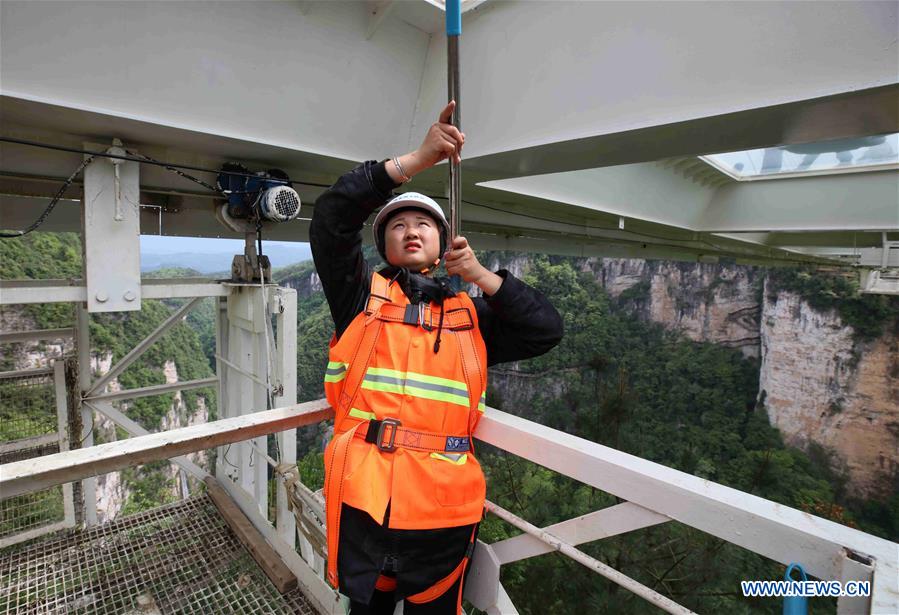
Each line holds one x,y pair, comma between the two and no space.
389,434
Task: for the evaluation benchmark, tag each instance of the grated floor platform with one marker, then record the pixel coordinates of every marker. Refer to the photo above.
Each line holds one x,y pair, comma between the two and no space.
178,558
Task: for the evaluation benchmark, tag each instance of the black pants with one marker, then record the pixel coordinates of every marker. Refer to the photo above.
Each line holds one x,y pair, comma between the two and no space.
383,603
416,558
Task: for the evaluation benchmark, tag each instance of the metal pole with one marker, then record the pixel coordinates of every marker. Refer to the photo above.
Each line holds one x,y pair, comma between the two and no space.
86,438
650,595
62,431
453,34
136,352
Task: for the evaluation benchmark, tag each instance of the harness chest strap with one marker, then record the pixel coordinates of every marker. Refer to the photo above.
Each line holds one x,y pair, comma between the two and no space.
454,319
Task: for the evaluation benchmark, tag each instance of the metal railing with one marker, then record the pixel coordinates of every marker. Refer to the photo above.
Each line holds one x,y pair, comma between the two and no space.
653,494
36,427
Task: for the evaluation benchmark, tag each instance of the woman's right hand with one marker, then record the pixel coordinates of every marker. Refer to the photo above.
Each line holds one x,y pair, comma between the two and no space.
442,141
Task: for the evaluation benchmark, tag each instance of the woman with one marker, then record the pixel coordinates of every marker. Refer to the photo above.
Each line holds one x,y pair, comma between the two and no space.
407,379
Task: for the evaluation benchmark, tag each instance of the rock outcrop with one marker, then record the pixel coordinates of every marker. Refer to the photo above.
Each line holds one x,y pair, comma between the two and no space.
819,384
706,302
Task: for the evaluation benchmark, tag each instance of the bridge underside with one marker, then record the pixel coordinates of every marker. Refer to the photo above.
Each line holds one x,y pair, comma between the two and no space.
585,148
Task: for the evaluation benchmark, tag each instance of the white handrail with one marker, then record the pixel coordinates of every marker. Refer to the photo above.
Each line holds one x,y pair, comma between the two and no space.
826,549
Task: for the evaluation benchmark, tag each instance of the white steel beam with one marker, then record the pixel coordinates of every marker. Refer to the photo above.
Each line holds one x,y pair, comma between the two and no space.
157,389
24,373
62,430
32,475
30,442
83,347
248,325
31,534
38,335
378,12
14,292
530,91
612,521
854,570
831,203
767,528
653,193
284,306
325,47
110,232
175,318
483,586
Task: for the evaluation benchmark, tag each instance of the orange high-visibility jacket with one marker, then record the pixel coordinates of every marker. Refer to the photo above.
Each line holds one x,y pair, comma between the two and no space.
404,414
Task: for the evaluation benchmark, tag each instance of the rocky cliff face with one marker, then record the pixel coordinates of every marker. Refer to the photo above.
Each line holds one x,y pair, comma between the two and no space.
180,415
818,383
708,303
821,385
112,490
305,285
29,355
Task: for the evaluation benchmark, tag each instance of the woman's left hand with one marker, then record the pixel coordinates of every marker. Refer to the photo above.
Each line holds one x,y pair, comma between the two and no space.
460,260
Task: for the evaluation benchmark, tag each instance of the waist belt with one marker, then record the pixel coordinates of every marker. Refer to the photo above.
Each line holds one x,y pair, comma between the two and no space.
375,433
421,314
389,434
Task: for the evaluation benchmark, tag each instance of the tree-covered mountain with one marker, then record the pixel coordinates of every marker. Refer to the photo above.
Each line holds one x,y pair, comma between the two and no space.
636,386
617,378
186,348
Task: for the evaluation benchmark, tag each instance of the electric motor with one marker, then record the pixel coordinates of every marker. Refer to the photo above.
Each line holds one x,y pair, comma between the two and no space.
279,204
265,195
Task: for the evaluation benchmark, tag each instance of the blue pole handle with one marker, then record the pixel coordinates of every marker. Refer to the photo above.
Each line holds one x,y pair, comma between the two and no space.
795,605
453,17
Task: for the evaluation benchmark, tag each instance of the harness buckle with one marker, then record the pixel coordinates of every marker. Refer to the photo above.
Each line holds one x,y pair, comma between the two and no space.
391,443
412,315
429,324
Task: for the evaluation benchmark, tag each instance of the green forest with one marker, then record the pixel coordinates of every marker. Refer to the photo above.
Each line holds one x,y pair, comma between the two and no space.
189,345
625,383
650,392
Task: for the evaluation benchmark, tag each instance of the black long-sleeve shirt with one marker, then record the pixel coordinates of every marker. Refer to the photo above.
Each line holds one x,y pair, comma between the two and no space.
517,322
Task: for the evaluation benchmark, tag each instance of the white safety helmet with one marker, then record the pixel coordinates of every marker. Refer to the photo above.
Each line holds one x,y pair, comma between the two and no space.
410,200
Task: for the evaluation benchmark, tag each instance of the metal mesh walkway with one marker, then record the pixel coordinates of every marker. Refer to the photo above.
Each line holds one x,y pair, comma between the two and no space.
28,430
179,558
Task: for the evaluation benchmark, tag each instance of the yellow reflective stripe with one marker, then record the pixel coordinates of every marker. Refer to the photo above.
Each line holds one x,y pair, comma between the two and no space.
482,405
415,392
362,414
336,371
382,371
448,457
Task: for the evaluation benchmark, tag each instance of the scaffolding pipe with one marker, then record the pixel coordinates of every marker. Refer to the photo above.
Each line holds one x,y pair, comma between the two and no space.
36,336
652,596
156,389
179,315
242,372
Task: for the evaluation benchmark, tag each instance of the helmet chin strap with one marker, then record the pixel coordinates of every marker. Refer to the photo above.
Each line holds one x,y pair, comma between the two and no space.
431,269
